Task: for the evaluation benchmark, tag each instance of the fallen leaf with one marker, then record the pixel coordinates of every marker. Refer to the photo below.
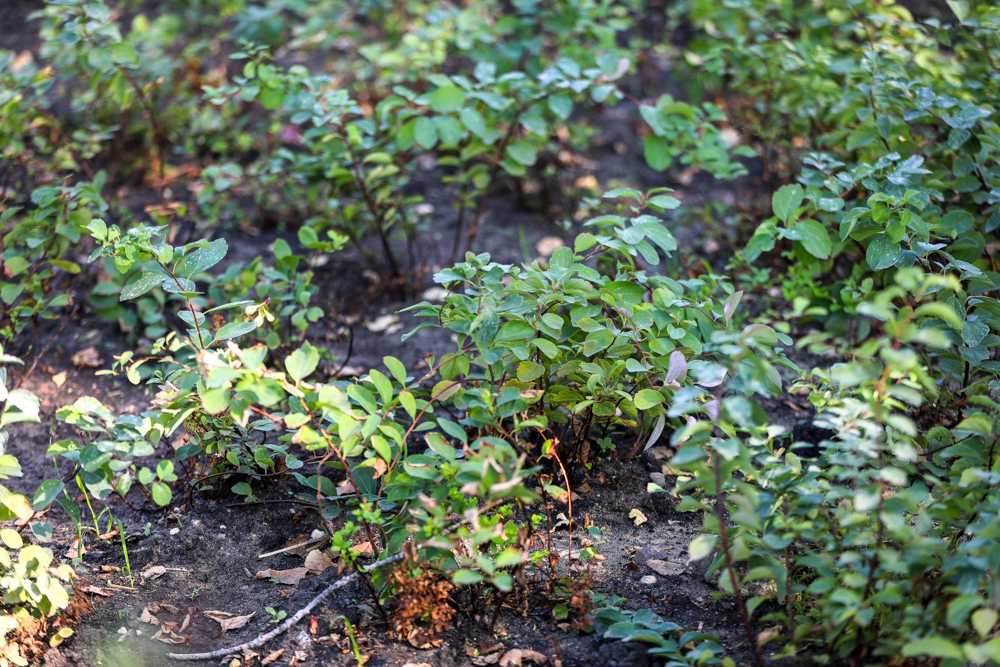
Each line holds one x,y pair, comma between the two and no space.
96,590
272,656
665,568
768,634
638,518
59,379
548,245
317,561
290,577
88,357
363,549
153,572
228,621
169,637
517,657
389,323
150,611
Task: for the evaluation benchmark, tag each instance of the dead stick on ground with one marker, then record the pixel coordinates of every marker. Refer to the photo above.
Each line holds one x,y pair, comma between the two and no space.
284,627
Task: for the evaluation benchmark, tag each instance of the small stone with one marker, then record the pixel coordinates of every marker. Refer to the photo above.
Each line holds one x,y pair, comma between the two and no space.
648,580
174,531
317,534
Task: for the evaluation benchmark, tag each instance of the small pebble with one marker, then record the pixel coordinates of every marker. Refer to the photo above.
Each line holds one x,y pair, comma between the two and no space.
317,534
648,580
174,531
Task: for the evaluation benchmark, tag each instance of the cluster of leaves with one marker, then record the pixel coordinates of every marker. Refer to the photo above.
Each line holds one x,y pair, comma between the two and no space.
33,584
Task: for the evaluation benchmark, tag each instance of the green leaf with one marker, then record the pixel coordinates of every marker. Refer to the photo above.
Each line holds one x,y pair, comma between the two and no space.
446,99
561,106
522,152
465,577
701,546
664,202
425,132
475,123
302,362
647,398
657,152
202,258
395,367
409,403
597,341
46,493
382,384
786,200
814,238
882,253
983,621
937,647
161,494
140,285
232,330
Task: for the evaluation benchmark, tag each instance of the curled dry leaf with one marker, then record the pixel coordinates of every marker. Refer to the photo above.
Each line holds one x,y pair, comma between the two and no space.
272,656
665,568
88,357
516,657
548,245
152,572
638,518
168,636
228,621
96,590
290,577
317,561
150,611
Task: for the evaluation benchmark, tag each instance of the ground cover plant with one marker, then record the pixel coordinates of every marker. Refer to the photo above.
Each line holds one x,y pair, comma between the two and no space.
515,333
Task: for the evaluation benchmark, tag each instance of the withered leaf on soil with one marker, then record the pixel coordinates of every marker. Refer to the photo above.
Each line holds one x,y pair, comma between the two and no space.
664,568
638,518
168,636
290,577
153,572
317,561
272,656
96,590
522,656
87,357
228,621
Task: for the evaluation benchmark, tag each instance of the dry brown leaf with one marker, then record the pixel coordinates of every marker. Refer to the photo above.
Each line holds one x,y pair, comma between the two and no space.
516,657
153,572
638,518
59,379
88,357
363,549
272,656
768,634
317,561
664,567
96,590
548,245
290,577
228,621
168,636
150,611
